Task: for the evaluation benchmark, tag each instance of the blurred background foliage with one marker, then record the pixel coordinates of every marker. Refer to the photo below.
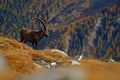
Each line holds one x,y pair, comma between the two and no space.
88,27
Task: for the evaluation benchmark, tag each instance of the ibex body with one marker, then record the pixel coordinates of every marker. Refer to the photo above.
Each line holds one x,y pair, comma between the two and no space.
33,36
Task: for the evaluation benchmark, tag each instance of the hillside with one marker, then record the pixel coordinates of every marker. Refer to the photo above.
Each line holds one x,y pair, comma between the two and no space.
20,57
89,27
19,63
98,70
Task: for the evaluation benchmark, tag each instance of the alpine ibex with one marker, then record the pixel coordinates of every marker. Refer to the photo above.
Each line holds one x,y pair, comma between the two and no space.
33,36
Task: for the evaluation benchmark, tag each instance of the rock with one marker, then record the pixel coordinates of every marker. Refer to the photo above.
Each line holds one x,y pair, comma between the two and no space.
111,60
53,65
80,57
59,51
37,65
1,45
41,62
76,56
75,63
47,66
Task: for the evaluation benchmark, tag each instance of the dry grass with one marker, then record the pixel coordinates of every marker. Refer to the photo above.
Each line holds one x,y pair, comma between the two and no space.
20,60
98,70
49,56
20,57
16,55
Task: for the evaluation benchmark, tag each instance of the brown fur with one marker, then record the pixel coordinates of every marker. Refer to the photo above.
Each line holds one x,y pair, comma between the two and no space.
33,36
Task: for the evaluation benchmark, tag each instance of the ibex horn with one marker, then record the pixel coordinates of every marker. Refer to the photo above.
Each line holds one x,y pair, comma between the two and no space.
42,21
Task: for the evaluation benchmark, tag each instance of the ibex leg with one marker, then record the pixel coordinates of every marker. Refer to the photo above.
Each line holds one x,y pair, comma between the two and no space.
36,45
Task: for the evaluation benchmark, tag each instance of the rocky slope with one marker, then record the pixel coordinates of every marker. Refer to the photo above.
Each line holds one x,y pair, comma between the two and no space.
21,58
17,62
89,27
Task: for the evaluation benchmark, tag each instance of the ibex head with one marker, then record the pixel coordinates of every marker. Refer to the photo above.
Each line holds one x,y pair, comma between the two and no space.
45,32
